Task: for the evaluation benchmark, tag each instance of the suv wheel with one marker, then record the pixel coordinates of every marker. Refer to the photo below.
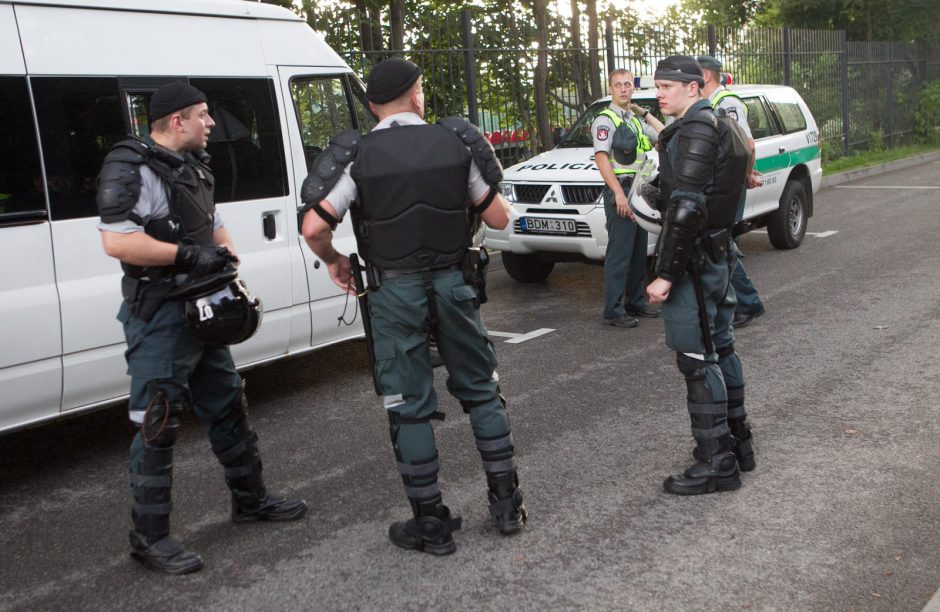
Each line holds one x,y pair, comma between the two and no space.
786,226
526,268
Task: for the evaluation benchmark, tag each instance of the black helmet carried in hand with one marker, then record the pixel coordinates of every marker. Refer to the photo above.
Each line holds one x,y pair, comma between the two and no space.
227,316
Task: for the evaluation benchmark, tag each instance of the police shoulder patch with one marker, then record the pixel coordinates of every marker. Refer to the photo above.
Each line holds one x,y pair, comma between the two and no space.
733,113
602,132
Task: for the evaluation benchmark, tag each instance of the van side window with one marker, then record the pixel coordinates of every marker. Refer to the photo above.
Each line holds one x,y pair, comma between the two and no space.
322,111
788,111
364,115
21,187
245,144
758,120
80,118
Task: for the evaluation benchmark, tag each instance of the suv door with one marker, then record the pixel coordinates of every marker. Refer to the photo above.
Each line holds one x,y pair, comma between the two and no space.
769,159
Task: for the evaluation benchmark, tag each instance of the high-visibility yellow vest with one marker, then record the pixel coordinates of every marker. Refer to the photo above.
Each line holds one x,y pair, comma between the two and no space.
643,143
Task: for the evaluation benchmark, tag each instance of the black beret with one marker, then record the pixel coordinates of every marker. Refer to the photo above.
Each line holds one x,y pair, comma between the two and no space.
391,78
708,62
171,98
682,68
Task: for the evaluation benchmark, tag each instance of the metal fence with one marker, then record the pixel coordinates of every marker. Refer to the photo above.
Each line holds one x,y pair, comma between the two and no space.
862,94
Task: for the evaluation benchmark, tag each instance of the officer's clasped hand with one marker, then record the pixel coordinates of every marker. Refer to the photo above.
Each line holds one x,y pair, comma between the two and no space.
201,260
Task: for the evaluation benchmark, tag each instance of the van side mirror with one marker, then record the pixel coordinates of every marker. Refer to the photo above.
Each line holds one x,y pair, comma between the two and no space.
557,134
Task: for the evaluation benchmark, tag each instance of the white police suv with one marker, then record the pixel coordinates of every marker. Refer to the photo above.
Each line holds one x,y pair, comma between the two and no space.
556,197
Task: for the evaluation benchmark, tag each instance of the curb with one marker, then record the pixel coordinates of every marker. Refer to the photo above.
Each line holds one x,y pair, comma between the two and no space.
851,175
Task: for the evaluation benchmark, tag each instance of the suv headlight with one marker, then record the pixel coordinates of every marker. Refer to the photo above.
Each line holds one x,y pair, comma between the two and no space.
506,190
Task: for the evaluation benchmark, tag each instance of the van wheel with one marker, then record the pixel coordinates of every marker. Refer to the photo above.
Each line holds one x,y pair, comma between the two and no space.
526,268
786,226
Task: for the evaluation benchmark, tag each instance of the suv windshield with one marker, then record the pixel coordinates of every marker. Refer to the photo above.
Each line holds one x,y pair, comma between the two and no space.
580,134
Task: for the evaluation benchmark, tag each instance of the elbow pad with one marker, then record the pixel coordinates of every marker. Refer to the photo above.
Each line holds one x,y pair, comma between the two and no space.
480,148
326,171
685,217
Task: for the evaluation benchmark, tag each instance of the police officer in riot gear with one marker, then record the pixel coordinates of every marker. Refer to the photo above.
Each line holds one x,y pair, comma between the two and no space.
700,190
158,217
749,305
413,190
622,134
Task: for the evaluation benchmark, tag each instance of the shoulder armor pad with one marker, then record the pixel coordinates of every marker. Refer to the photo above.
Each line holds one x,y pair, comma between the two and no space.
480,148
328,167
119,180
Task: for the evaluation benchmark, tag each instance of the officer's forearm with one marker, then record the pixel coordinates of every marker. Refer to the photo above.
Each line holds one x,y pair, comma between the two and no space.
602,161
138,249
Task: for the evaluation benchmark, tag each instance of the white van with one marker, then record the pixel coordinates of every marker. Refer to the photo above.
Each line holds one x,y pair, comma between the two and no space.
557,201
75,78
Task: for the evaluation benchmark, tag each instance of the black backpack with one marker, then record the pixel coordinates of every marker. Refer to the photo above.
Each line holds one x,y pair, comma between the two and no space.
734,153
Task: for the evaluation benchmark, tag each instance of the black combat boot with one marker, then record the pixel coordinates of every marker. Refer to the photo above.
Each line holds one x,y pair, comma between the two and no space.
251,500
742,448
150,540
431,530
505,496
716,468
741,438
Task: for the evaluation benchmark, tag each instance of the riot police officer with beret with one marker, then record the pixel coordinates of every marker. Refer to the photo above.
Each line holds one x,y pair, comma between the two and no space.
158,217
701,185
414,191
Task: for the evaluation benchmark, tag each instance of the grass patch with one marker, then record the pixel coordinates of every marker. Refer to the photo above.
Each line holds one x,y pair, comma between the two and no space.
871,158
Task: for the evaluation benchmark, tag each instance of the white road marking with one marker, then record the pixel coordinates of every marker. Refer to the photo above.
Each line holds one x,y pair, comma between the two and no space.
520,338
887,187
816,234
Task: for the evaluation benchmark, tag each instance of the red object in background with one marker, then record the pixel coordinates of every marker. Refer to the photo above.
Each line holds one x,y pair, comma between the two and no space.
488,136
726,78
497,138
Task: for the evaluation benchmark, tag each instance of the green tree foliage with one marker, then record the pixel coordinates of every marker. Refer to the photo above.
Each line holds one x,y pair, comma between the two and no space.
895,20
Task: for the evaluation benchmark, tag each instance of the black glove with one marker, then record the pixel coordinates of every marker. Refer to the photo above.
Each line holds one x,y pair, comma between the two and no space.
203,260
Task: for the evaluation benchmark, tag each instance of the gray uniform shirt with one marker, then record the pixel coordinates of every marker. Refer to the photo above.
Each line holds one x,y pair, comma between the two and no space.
602,132
344,193
734,107
152,204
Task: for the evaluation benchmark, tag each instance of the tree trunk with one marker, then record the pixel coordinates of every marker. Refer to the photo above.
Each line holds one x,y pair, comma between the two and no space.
577,59
365,28
594,63
375,23
541,76
397,18
517,91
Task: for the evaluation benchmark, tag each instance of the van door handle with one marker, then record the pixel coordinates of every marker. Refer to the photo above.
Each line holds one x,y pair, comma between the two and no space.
269,226
781,150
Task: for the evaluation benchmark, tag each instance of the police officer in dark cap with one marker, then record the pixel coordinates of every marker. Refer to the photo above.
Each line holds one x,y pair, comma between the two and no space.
414,191
749,305
699,199
158,217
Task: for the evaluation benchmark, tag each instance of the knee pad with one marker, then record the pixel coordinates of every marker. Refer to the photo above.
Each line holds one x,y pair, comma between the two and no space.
160,425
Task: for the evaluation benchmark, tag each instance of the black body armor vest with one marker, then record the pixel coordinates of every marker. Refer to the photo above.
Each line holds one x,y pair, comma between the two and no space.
189,186
412,211
722,207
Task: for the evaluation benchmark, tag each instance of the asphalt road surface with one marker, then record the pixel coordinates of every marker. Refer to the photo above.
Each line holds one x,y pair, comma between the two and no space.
842,512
